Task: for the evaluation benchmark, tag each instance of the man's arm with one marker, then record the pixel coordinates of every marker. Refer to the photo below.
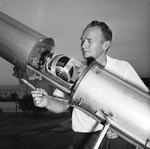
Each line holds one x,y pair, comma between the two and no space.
42,99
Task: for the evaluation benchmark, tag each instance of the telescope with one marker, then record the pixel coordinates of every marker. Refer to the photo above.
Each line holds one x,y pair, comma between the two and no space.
122,107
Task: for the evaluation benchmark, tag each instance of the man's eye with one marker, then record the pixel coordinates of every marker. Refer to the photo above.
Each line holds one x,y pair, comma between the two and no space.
89,41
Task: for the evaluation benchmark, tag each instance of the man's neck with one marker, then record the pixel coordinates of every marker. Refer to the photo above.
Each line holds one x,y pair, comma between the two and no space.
102,60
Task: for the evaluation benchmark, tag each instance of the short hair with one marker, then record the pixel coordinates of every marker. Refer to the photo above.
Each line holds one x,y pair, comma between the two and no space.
106,31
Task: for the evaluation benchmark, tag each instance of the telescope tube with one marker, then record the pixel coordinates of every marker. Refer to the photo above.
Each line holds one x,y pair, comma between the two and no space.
18,42
104,96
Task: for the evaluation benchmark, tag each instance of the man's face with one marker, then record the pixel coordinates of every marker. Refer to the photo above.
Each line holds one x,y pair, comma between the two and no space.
91,43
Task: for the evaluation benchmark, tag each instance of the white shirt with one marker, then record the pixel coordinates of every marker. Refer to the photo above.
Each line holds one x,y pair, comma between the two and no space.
81,122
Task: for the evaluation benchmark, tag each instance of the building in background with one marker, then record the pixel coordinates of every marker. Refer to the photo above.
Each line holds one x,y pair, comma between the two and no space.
7,91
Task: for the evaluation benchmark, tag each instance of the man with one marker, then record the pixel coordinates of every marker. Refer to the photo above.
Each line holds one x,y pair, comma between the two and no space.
95,42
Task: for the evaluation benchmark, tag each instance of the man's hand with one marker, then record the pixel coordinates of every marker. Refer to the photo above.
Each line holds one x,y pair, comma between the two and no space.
111,135
40,97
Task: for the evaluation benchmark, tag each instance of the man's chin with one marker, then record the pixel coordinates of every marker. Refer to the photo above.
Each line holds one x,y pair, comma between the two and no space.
85,56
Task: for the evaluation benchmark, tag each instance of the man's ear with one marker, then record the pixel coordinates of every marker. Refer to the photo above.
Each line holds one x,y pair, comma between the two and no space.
106,45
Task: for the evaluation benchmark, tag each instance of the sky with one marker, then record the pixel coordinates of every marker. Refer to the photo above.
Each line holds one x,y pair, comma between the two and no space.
64,21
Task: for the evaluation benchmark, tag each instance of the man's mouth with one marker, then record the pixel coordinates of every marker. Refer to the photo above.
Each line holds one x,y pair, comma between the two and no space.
84,51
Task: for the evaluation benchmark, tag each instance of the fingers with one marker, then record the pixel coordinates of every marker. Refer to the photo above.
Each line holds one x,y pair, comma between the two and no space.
38,92
111,135
42,91
38,96
36,103
37,99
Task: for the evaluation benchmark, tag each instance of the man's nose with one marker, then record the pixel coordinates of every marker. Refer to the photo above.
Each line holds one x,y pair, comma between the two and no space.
84,44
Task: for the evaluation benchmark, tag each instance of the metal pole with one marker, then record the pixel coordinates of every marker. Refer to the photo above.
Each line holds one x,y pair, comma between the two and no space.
101,135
